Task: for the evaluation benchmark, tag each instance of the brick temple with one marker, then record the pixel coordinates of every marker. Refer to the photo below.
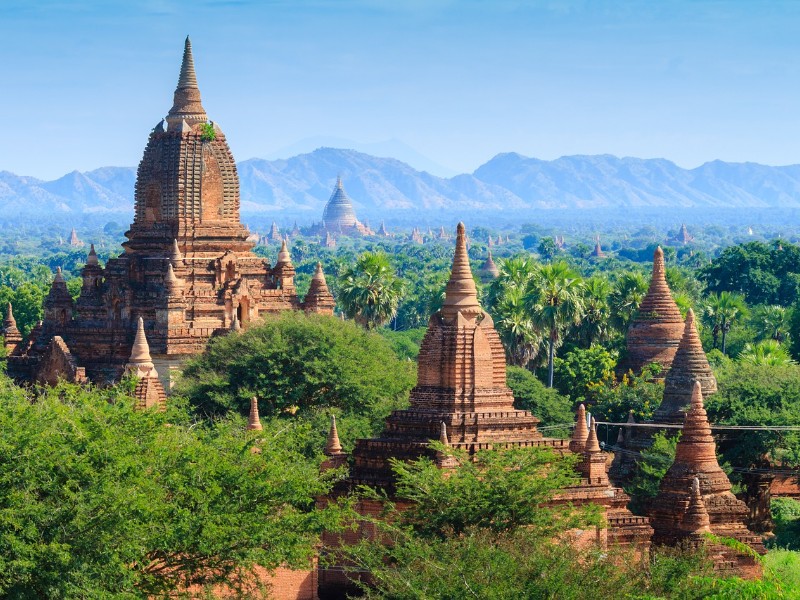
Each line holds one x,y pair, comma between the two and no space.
187,271
654,334
461,399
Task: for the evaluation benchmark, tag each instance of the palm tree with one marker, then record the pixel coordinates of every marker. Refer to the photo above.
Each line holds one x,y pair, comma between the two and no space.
721,311
768,353
594,326
370,292
771,322
506,302
555,301
629,291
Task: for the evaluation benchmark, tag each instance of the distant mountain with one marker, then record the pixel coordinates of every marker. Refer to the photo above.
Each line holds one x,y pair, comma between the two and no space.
300,186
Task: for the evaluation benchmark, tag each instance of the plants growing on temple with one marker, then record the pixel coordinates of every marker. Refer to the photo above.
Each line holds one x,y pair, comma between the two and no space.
207,132
298,363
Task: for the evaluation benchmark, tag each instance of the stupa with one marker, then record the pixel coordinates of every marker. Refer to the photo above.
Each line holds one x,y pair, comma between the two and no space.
654,334
187,270
339,215
488,270
695,457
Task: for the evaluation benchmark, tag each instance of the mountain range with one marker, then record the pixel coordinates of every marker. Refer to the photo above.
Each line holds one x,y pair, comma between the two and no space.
298,187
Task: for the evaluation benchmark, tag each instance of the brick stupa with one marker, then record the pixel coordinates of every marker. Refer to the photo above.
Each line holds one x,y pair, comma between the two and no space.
461,382
654,334
689,365
488,270
695,457
187,270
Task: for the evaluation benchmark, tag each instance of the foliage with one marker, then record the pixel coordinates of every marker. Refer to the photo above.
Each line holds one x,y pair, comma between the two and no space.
207,132
101,501
581,372
370,291
405,344
297,362
771,323
754,394
786,517
629,290
721,311
767,353
762,273
545,403
554,300
639,394
547,249
651,467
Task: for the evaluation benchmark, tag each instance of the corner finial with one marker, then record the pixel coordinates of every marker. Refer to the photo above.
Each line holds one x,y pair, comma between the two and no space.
333,446
592,445
92,258
581,432
253,420
461,295
443,434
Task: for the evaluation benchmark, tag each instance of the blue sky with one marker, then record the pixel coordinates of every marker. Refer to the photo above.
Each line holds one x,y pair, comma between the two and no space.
459,81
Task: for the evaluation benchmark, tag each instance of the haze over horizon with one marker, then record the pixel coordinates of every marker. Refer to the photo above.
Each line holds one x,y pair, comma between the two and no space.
454,81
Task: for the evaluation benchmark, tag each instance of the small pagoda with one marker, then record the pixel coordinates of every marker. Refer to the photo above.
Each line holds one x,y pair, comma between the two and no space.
671,517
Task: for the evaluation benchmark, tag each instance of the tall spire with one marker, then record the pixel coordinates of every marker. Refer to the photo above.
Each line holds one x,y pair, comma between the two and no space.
592,445
187,105
333,446
10,320
92,258
188,78
461,295
254,421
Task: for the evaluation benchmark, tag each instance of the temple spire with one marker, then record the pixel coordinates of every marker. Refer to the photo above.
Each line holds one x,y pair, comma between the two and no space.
10,320
187,105
188,78
443,435
696,519
577,443
254,421
284,257
92,258
592,445
140,351
333,446
461,295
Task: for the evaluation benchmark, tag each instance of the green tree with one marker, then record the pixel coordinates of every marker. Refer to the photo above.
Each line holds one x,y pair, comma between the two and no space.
595,324
629,290
547,249
545,403
651,467
582,371
766,353
771,323
721,311
555,301
296,362
100,501
370,291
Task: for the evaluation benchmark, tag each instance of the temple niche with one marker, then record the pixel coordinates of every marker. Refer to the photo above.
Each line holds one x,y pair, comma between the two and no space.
187,271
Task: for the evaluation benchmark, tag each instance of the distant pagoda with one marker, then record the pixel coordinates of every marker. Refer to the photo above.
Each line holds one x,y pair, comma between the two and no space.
339,215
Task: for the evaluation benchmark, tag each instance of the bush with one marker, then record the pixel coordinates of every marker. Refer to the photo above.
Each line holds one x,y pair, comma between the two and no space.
545,403
297,363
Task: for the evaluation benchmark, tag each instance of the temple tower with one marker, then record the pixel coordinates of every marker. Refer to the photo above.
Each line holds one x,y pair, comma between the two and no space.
654,334
695,457
339,215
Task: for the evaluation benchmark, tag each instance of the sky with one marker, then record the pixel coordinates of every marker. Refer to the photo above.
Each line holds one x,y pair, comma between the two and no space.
459,81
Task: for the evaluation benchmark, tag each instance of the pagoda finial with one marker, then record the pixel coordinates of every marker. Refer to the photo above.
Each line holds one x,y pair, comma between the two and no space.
443,434
187,105
10,320
577,443
188,78
175,257
696,519
461,295
658,264
333,446
59,278
592,445
254,421
172,280
92,258
140,352
284,257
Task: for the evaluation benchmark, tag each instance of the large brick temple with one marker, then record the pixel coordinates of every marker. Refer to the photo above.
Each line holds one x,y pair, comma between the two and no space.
187,269
461,398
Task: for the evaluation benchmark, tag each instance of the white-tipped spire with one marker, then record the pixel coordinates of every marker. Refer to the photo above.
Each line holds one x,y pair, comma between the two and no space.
254,421
333,446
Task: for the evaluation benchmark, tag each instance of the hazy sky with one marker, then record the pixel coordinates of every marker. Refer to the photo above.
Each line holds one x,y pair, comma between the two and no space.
84,81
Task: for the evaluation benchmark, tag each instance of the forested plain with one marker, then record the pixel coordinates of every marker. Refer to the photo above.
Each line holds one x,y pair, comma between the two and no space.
101,501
